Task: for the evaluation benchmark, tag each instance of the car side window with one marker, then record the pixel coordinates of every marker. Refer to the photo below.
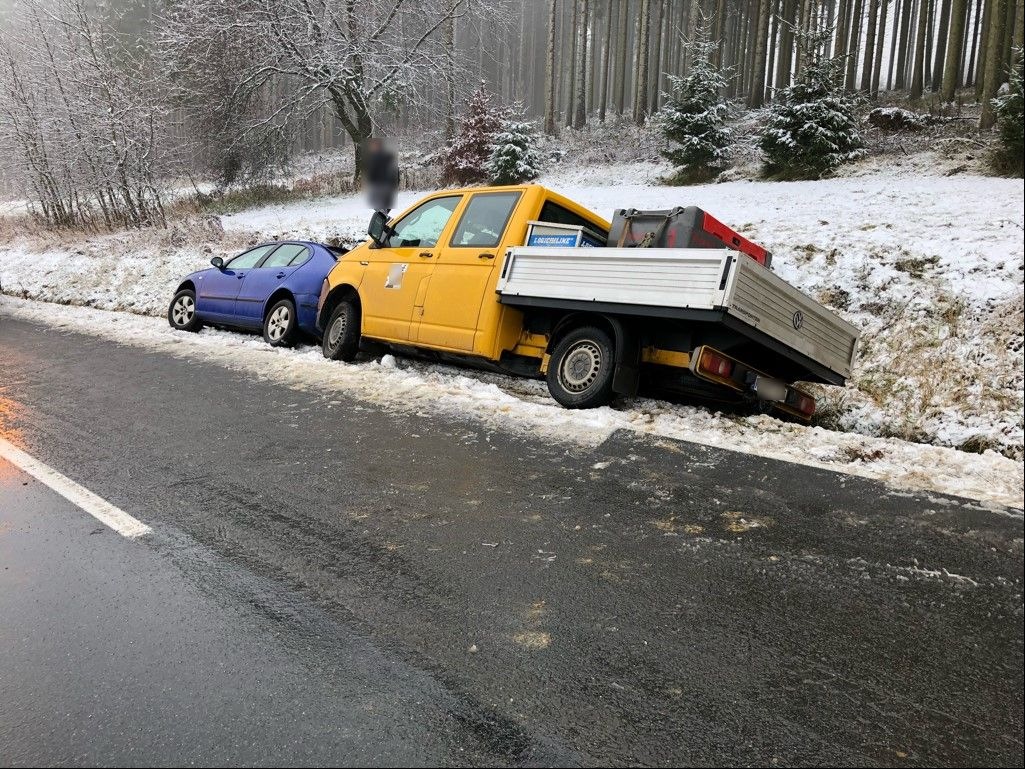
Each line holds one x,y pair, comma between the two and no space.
424,224
485,219
284,255
250,258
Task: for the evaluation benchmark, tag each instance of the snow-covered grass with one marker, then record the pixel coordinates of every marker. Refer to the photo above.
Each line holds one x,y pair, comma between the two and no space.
929,267
524,406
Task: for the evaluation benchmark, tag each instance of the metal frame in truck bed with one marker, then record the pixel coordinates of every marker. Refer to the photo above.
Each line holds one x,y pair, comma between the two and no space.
711,285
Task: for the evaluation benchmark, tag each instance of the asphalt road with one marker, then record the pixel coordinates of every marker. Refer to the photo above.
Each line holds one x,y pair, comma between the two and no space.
346,585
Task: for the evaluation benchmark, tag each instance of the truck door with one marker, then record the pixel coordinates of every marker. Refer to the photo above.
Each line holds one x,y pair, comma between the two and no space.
394,274
463,271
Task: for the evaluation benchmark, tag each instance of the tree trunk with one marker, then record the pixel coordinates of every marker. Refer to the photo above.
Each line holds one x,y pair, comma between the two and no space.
904,46
655,67
551,127
580,68
854,45
877,69
756,93
870,46
571,79
641,79
785,58
606,56
994,63
450,79
840,38
918,69
770,67
619,79
952,65
942,45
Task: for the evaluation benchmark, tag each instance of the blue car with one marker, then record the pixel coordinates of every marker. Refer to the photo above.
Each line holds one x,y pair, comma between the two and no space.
274,286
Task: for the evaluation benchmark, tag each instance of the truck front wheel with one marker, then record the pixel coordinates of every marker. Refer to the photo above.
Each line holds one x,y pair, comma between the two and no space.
341,337
581,367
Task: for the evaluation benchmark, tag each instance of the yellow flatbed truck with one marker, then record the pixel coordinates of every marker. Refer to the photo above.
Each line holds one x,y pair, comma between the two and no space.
451,278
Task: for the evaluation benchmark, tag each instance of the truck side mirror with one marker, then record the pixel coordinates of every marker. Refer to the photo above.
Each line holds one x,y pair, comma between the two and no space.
379,231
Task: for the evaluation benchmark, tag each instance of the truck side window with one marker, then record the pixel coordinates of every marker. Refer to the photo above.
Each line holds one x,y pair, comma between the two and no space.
424,224
556,214
484,220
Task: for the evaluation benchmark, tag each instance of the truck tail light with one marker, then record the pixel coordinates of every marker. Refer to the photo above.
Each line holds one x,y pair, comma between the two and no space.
801,402
714,364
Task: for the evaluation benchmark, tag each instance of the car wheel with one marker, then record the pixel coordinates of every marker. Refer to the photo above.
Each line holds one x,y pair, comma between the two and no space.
280,325
341,337
181,314
581,367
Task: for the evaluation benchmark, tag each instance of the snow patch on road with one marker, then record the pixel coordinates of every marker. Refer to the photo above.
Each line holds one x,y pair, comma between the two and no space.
524,406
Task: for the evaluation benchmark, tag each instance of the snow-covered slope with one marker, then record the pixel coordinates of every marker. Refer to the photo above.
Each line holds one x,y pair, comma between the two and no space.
930,268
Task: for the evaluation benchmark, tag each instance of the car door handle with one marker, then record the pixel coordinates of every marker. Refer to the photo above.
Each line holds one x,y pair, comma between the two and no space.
485,256
280,275
240,275
426,254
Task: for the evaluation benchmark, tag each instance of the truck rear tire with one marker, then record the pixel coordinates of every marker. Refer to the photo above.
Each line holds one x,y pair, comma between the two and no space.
581,368
341,337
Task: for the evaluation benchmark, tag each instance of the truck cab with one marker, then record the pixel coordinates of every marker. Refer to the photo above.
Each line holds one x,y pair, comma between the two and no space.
431,282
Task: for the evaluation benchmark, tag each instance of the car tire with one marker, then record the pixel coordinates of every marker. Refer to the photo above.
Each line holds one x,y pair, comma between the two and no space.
280,324
341,335
581,367
181,313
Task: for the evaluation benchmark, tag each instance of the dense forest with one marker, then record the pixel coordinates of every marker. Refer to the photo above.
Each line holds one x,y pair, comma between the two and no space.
158,88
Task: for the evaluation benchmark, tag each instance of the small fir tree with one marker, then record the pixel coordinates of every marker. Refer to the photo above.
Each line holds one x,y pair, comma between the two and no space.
466,160
693,119
813,124
1011,155
514,158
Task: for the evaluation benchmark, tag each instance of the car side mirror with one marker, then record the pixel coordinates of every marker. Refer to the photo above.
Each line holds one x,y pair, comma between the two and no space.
217,262
379,231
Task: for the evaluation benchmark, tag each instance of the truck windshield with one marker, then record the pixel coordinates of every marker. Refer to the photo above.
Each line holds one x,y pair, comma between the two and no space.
424,224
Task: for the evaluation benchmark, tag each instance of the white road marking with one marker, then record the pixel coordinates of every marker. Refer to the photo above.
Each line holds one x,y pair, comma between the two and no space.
97,507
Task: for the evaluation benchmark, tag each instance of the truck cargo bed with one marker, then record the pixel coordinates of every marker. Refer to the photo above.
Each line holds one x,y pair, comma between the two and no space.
709,285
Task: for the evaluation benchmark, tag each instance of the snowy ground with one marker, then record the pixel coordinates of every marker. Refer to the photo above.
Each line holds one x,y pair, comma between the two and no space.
929,267
524,406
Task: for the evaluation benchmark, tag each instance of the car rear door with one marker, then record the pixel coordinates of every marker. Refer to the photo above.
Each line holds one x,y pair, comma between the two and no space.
217,290
264,279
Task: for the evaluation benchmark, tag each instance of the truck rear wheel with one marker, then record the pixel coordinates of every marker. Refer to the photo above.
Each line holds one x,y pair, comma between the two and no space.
581,367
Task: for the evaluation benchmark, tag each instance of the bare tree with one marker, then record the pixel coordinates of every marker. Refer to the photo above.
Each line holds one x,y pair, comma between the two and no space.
83,109
349,55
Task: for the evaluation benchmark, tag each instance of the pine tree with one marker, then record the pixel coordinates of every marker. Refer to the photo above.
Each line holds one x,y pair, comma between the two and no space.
692,121
1008,108
514,157
813,126
466,158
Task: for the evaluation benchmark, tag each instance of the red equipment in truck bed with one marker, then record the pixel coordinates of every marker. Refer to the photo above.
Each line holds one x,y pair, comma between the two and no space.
689,227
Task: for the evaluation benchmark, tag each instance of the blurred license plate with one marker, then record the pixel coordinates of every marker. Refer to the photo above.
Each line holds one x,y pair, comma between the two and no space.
770,389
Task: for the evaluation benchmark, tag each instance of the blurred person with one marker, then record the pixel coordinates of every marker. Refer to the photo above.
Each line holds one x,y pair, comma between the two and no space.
381,174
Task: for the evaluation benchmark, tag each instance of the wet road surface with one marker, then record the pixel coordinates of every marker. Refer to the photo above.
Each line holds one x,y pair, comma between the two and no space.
328,582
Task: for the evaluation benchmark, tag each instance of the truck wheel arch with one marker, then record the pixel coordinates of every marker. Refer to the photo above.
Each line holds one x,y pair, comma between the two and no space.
337,294
626,378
